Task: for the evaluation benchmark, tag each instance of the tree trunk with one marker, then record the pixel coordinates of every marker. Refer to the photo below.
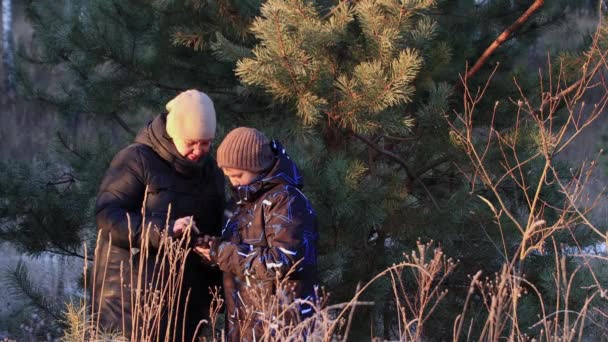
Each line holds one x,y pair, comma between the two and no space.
8,63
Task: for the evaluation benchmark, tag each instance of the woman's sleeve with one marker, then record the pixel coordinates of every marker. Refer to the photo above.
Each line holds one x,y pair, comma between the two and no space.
120,198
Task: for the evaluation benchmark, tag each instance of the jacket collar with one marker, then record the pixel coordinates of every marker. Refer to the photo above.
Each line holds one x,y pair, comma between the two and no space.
283,171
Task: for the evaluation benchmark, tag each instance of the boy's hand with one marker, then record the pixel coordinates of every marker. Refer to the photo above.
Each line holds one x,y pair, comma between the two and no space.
207,247
204,252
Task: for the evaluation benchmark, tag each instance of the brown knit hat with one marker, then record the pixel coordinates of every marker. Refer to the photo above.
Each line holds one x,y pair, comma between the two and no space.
245,148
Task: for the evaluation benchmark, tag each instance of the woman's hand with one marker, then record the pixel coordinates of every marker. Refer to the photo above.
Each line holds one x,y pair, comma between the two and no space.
181,224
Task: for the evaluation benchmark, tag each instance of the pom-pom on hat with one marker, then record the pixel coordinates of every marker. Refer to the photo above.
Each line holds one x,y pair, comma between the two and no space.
245,148
191,116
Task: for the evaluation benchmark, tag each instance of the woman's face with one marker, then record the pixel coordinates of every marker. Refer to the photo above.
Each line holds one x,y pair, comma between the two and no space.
193,150
239,177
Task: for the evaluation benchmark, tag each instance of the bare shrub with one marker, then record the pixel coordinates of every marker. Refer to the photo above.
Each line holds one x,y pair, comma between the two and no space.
557,118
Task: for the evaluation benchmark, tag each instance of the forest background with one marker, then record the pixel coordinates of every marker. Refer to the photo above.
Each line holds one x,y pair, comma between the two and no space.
382,168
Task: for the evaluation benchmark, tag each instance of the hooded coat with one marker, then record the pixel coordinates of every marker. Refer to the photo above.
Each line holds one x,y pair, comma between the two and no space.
272,228
152,169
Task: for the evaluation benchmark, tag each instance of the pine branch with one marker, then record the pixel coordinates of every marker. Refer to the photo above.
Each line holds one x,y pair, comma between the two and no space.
411,177
431,166
65,252
130,68
504,36
193,40
19,283
60,249
63,142
284,58
122,123
226,51
387,153
66,178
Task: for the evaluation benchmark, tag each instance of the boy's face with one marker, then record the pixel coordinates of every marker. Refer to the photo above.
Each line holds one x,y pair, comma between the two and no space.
239,177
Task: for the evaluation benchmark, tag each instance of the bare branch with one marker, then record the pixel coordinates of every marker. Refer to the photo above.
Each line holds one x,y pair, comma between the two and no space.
63,142
504,36
122,123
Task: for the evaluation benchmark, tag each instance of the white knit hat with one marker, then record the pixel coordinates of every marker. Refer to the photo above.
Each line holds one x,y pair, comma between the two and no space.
191,116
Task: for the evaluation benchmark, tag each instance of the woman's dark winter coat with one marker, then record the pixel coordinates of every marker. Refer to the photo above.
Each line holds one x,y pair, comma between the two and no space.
151,168
272,229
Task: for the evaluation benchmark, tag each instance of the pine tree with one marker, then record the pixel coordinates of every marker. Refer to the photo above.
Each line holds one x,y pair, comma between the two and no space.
362,93
375,82
120,56
120,62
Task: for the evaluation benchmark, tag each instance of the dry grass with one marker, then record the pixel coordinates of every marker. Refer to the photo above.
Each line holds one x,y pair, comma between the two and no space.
154,298
275,314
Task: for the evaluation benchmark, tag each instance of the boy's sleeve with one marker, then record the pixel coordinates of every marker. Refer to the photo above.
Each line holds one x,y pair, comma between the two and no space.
287,216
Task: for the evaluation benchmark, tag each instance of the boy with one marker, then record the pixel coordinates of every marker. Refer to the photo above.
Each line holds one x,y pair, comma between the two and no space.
272,229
